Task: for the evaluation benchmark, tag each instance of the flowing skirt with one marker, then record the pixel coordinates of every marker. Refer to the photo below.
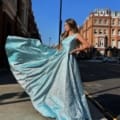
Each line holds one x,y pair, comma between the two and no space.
50,77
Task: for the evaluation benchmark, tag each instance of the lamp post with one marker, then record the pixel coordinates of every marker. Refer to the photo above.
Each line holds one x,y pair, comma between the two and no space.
60,20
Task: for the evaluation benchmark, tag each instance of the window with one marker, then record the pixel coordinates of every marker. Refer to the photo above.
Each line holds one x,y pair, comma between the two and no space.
95,21
105,21
118,43
106,41
100,31
101,42
113,31
95,31
119,32
96,42
113,43
100,21
113,21
105,31
119,22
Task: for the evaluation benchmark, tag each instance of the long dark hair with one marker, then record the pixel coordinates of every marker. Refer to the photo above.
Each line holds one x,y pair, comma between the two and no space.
73,25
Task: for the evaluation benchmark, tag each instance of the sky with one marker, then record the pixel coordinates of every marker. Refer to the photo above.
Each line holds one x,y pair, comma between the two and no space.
46,14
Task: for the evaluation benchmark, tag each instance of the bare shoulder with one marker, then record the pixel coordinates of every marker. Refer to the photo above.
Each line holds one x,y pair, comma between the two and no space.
78,36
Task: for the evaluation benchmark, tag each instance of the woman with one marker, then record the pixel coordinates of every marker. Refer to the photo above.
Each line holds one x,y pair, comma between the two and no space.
51,76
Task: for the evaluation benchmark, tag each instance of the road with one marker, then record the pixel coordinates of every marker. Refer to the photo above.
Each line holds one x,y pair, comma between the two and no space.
102,83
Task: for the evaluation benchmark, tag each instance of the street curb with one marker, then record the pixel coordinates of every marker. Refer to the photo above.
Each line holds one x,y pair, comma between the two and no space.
107,114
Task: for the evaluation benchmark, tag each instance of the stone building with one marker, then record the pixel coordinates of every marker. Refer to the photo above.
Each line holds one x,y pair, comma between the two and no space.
102,29
16,18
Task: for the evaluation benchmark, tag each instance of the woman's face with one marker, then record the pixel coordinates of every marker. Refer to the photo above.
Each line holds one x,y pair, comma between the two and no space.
66,27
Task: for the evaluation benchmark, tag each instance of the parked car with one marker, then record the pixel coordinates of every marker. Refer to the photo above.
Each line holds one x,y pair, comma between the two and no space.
118,60
110,60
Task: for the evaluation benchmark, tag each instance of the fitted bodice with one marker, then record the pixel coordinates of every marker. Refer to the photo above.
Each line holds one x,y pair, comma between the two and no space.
69,43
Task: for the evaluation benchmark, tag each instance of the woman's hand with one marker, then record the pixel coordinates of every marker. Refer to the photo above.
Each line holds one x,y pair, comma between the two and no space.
59,47
84,45
76,51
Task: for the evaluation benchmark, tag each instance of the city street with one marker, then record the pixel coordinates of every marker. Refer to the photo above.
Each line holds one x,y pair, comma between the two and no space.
102,83
29,30
15,103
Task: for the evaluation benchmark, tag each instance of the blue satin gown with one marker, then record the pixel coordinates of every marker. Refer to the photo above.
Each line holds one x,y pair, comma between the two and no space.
49,76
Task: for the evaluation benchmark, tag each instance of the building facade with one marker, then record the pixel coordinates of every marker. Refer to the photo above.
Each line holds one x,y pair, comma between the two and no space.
16,18
102,29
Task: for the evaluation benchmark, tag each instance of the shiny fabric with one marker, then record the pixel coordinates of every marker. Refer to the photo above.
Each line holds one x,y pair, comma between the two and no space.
49,76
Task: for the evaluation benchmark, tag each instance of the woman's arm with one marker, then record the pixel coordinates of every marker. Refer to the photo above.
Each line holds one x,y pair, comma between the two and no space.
59,46
85,44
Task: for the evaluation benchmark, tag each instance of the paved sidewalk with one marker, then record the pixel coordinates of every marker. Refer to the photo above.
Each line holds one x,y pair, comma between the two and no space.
15,105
